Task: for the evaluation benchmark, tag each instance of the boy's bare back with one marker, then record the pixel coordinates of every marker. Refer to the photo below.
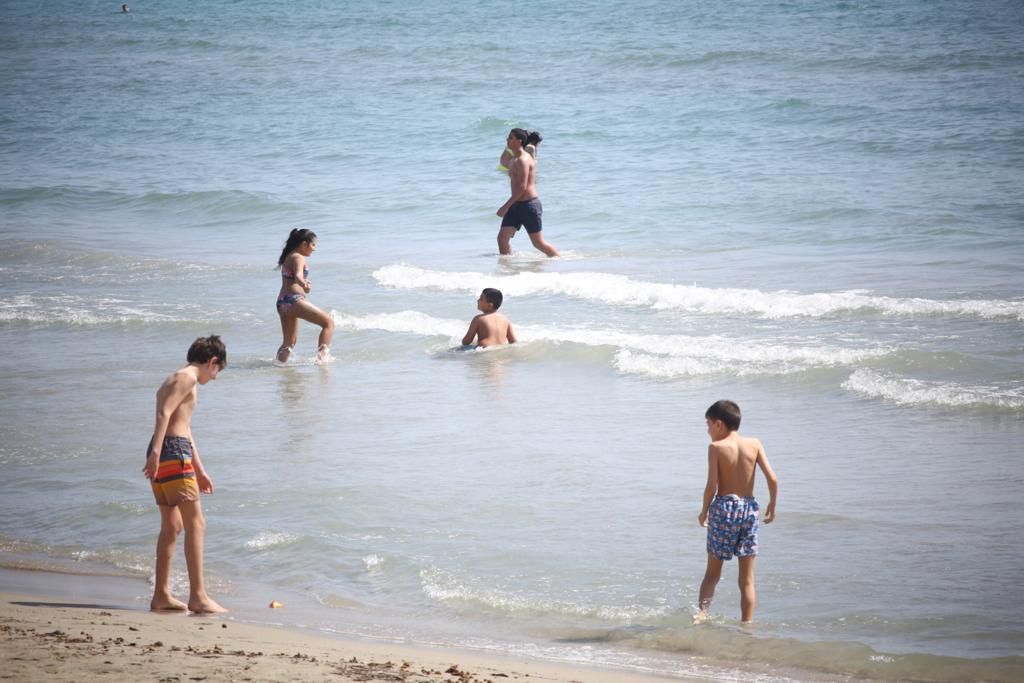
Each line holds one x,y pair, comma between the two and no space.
490,329
736,459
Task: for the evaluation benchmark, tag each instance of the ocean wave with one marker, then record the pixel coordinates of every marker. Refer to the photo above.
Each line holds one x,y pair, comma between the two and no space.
658,355
216,203
442,586
35,262
373,562
790,103
80,311
50,195
270,539
672,368
911,392
730,57
895,62
721,641
19,554
668,629
493,124
412,322
621,290
644,57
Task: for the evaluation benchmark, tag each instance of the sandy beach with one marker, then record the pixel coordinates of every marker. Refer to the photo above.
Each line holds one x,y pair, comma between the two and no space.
47,638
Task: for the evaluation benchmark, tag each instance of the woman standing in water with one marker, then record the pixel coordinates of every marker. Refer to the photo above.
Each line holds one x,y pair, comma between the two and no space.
291,300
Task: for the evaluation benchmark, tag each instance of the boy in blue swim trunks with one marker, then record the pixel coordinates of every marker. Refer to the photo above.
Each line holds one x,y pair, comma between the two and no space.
730,511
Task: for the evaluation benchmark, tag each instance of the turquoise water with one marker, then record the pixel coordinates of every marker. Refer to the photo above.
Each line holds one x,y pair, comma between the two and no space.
811,208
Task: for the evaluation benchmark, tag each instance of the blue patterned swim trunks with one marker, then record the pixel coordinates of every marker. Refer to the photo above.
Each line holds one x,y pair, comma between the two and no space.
732,527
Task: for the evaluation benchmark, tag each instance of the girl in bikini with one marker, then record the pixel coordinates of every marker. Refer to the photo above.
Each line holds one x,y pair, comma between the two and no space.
291,300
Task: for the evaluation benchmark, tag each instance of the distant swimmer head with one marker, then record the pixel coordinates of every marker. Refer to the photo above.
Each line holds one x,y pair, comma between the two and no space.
124,8
296,238
492,296
725,411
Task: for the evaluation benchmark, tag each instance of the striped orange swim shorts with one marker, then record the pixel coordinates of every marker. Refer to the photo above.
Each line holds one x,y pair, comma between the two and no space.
175,480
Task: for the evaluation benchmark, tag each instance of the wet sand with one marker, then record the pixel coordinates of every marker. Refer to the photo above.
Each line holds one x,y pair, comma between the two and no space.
49,638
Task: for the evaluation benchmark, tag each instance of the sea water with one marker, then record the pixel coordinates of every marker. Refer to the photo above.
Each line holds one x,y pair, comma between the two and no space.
813,209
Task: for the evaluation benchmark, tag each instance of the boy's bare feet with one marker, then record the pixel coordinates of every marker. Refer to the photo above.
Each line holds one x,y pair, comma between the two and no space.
166,603
205,605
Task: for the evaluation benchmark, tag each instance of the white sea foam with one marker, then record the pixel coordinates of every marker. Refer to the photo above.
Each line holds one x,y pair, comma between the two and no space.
373,562
74,310
406,321
908,391
657,355
668,368
270,539
443,586
620,290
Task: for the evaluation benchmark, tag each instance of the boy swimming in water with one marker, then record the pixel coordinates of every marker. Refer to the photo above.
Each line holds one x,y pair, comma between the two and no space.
177,476
730,511
490,327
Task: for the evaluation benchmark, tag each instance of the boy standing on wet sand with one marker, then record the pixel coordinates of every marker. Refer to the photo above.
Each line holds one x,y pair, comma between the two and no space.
177,476
490,327
730,511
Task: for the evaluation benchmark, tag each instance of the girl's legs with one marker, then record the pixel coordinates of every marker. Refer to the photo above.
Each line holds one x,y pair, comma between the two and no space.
289,335
310,313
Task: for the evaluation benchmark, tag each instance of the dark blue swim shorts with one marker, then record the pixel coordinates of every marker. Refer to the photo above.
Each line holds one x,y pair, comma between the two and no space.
524,214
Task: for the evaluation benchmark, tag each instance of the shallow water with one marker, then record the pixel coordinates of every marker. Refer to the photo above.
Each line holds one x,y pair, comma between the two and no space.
812,210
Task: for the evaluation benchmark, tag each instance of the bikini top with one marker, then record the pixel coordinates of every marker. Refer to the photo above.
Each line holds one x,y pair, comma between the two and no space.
289,275
531,149
504,169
